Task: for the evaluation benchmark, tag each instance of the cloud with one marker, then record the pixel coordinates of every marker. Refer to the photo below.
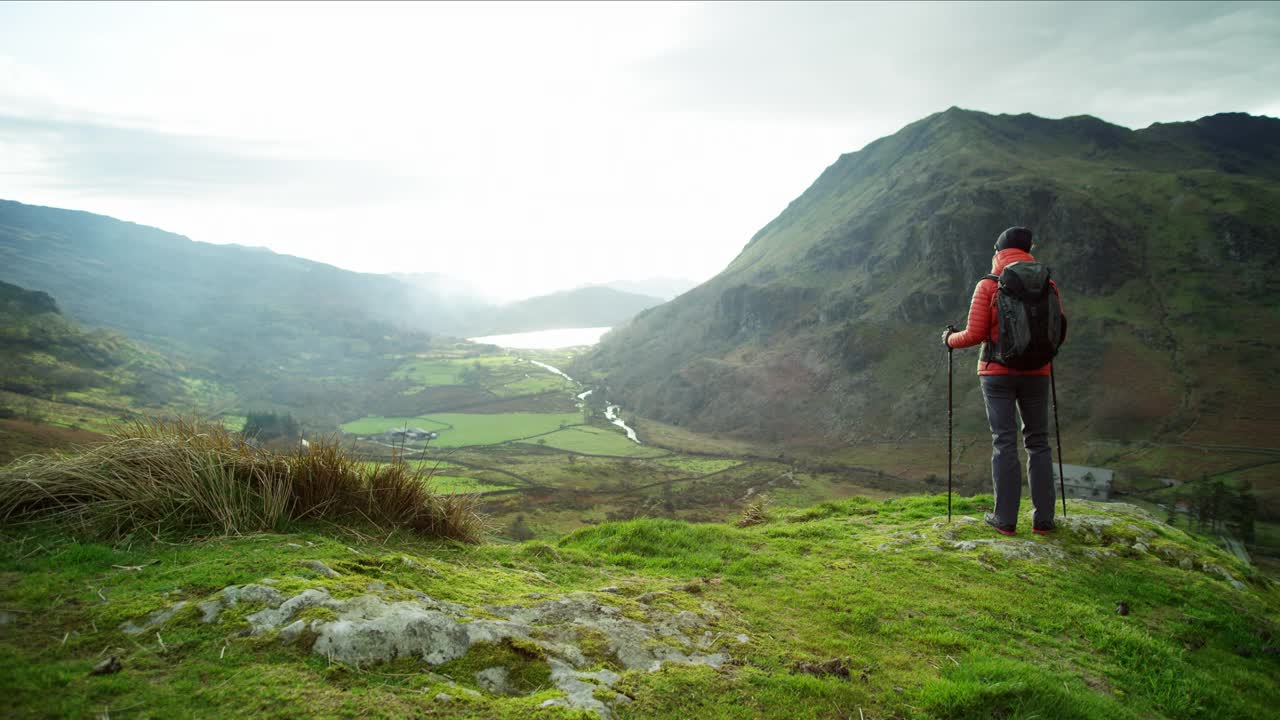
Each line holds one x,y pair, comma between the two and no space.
93,156
535,146
1132,63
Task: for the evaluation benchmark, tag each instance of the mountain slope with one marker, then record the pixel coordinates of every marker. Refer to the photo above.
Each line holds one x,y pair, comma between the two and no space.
49,357
220,300
825,328
217,300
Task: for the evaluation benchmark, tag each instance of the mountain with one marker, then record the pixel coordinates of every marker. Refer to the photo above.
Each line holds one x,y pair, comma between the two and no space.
583,307
825,328
227,303
666,288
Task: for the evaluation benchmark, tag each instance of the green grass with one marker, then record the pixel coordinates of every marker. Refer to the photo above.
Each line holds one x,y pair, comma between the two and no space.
930,630
698,465
545,382
375,424
456,484
597,441
428,372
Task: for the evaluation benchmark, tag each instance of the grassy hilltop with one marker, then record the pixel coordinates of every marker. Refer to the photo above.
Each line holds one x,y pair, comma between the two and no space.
846,609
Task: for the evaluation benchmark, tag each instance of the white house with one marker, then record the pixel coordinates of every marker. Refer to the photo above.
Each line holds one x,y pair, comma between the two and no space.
1082,481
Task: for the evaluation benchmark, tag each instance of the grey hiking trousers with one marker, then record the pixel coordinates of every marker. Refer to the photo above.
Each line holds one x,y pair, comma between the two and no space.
1007,397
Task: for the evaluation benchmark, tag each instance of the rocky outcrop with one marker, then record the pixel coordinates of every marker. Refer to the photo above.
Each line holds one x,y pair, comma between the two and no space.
585,641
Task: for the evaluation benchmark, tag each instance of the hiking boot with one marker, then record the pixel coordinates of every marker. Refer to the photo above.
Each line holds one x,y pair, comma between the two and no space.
1043,527
1000,527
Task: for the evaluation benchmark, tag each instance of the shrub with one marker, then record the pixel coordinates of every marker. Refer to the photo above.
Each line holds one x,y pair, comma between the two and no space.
755,512
192,476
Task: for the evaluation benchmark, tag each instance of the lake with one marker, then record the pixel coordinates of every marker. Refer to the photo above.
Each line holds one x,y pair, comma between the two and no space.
545,339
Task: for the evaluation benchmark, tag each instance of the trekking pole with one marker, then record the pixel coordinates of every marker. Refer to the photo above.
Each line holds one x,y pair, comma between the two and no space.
949,374
1057,426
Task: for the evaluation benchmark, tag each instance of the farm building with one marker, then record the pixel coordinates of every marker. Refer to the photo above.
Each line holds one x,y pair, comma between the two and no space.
1082,481
408,435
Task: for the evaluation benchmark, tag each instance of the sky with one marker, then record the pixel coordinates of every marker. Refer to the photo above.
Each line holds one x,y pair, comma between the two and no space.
531,147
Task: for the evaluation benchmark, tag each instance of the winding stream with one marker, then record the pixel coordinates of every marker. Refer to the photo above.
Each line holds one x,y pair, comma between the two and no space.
611,412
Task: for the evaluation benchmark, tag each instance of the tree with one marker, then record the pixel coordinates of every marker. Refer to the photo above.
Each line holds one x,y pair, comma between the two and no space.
264,426
1242,512
519,530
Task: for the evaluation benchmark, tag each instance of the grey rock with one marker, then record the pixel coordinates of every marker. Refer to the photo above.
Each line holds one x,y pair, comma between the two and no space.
444,698
110,666
265,620
580,688
1140,548
370,629
1225,574
614,589
1013,549
233,595
495,679
154,620
649,597
291,632
320,568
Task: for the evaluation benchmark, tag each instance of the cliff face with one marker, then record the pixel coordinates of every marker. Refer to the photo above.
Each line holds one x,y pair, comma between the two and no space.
825,327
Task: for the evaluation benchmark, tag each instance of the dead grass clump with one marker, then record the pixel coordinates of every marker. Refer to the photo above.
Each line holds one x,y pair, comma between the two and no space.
190,476
755,512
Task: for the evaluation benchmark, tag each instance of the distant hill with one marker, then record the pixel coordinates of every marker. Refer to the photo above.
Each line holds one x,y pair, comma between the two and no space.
228,302
49,357
666,288
825,329
583,307
237,305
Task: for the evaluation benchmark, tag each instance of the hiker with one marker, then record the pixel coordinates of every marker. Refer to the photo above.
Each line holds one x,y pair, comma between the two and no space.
1010,392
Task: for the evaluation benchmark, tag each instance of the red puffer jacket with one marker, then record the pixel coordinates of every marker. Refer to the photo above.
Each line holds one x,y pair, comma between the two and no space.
982,315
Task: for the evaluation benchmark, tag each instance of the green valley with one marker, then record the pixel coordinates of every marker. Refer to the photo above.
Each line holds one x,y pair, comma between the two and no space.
382,520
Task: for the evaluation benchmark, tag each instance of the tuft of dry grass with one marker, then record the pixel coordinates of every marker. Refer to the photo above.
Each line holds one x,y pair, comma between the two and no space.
192,476
755,512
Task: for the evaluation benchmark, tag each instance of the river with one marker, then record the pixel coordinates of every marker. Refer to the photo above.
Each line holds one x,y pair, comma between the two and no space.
611,412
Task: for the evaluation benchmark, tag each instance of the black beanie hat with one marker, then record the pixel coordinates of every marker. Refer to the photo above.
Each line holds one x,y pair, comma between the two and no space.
1014,237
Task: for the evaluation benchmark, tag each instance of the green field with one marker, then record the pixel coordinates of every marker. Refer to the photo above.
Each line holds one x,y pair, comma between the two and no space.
431,372
534,383
462,429
375,424
699,466
597,441
455,484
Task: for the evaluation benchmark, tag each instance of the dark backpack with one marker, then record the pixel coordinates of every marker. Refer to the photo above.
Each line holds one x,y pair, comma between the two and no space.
1029,314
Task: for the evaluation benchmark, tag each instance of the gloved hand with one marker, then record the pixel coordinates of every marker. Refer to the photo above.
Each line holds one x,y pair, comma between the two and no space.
946,334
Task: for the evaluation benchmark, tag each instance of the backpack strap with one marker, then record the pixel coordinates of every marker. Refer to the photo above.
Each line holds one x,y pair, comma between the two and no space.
987,352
